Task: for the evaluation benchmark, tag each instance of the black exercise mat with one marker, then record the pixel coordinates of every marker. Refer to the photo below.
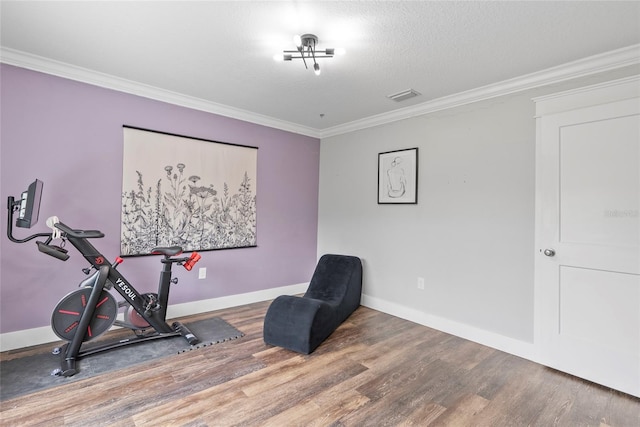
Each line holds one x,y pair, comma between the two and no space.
33,373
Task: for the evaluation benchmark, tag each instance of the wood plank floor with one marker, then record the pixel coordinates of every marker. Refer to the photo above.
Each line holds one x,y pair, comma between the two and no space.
375,370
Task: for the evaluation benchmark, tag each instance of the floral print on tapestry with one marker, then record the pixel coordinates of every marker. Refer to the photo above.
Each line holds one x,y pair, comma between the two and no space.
180,191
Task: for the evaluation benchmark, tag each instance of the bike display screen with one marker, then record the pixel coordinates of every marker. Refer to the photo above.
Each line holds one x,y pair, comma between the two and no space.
30,205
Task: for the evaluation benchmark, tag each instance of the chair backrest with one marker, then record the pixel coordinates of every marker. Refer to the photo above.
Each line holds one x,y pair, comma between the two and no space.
335,278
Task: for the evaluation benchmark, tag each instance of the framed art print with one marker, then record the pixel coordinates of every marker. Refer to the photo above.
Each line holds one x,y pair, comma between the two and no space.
398,177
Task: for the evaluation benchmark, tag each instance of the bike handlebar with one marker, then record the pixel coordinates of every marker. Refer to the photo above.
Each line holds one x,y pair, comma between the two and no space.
53,250
61,253
79,234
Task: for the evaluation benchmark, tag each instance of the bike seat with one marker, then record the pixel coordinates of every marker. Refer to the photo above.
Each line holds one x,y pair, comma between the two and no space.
167,251
80,234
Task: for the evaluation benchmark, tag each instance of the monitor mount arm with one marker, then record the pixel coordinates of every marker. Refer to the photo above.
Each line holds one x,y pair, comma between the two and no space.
12,206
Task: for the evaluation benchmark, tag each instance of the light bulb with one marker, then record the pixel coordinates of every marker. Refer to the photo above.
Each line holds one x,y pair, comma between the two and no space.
278,57
297,40
316,69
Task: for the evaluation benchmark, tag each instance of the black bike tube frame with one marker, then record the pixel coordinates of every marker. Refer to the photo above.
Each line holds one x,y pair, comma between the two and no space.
71,350
122,285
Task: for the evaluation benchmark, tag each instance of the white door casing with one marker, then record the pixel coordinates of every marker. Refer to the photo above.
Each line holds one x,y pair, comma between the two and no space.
588,233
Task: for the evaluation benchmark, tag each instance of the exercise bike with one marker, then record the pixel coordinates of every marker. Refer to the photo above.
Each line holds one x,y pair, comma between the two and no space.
89,311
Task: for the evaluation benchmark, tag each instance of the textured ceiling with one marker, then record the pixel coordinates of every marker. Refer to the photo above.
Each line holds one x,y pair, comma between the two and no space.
221,52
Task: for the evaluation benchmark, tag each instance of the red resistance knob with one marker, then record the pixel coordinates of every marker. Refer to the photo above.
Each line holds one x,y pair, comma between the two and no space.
193,259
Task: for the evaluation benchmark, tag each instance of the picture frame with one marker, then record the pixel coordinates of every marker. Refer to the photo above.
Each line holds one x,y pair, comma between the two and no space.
184,191
398,177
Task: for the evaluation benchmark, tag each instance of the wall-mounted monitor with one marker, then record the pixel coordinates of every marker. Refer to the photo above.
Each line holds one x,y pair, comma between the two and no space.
30,205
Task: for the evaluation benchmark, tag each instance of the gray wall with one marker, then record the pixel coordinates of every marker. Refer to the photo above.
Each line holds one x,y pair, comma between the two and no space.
471,234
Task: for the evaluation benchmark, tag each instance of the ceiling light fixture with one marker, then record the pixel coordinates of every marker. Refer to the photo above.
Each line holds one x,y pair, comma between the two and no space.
306,49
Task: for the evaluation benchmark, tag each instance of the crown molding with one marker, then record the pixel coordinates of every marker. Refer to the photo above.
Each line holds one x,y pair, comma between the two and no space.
607,61
84,75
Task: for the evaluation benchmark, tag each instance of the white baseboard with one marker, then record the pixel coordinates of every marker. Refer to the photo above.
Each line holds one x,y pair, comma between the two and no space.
490,339
27,338
44,334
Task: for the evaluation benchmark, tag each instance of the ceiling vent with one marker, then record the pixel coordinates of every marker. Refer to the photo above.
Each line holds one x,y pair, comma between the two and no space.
404,95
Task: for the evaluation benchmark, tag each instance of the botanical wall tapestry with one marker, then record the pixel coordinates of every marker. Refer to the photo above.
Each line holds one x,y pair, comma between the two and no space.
188,192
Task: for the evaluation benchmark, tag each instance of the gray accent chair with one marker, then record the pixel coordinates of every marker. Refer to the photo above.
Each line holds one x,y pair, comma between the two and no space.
302,323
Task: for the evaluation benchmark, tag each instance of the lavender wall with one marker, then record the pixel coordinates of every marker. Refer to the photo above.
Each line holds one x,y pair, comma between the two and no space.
69,135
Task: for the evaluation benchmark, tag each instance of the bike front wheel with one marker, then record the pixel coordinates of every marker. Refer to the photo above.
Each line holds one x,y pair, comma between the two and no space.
66,316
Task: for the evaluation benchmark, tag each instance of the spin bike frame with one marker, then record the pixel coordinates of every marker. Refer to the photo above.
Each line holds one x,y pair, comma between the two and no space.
108,276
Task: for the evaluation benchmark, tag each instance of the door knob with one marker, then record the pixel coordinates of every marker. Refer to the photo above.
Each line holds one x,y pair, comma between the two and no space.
549,252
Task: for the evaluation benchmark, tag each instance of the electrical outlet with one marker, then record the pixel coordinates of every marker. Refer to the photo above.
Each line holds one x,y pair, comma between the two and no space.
421,283
202,273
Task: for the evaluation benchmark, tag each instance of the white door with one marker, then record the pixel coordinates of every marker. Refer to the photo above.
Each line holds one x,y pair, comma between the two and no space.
588,242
